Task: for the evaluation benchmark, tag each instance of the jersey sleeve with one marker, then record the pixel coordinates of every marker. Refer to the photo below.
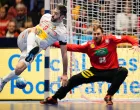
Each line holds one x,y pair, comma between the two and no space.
74,47
124,39
62,38
45,17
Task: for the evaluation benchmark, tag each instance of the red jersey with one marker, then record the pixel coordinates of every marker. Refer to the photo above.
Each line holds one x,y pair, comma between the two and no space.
104,55
3,27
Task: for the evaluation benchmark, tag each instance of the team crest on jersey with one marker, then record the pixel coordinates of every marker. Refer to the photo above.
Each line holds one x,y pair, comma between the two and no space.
54,28
107,41
92,45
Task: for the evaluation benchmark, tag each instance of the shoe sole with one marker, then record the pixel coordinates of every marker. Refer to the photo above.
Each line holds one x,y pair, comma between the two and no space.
107,102
44,102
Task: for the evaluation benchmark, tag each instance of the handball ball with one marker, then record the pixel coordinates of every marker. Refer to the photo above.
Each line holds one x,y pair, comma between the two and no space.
21,83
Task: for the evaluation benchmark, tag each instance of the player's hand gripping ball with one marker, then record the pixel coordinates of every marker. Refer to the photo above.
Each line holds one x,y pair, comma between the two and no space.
21,83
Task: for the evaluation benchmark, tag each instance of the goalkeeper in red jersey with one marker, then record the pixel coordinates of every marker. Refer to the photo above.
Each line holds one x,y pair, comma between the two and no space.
102,51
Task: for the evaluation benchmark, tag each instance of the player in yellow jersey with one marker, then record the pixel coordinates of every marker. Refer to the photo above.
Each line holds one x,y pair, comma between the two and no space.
32,40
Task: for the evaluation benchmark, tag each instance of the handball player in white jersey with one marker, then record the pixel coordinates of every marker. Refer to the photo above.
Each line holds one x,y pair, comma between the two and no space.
32,40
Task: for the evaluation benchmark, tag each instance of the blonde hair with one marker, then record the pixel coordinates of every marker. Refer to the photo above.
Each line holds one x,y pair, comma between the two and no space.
95,22
98,27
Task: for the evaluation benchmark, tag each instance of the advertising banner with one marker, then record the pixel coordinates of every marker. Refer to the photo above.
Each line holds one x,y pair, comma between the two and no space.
34,75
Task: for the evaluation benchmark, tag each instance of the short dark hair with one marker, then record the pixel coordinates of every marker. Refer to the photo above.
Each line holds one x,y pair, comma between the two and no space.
98,27
62,8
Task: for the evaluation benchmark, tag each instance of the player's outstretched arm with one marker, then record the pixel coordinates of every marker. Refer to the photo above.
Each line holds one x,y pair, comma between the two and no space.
64,77
74,47
125,39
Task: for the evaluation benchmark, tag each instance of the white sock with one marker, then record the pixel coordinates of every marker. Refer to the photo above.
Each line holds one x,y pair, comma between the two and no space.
9,76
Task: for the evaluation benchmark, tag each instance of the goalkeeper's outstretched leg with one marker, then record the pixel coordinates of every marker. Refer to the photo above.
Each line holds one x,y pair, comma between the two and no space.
88,76
62,91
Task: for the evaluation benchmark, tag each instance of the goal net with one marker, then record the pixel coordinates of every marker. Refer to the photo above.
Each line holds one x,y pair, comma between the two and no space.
118,17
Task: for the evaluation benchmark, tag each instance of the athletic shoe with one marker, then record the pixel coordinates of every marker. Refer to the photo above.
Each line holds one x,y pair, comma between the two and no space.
49,100
1,84
108,99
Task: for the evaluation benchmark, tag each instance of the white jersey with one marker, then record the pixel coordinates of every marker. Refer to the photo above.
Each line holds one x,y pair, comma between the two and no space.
49,32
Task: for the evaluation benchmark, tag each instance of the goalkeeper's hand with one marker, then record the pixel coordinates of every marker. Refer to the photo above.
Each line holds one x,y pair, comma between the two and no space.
64,79
135,49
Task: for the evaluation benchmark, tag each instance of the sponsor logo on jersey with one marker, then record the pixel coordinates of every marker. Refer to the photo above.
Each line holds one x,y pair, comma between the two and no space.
101,52
41,33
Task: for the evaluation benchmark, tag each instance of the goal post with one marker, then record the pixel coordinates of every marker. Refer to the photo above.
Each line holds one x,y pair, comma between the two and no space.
47,59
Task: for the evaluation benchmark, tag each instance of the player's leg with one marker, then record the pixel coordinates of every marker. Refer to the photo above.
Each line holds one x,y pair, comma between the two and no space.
72,82
116,78
20,67
32,47
22,44
22,64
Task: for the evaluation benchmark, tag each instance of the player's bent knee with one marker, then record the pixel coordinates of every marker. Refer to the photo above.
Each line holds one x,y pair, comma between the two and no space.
124,71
